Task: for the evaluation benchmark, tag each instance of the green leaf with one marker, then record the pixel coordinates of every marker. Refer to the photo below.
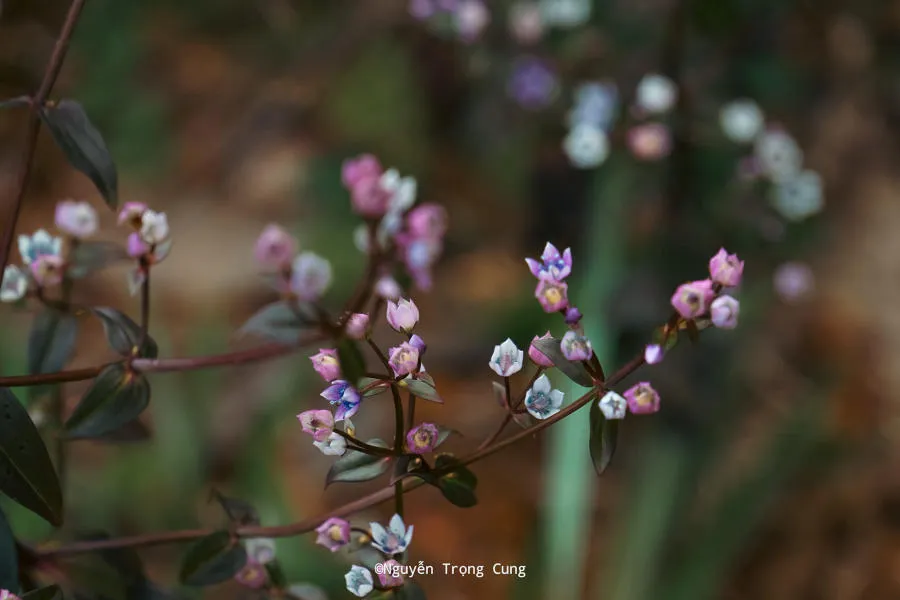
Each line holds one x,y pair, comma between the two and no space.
410,591
357,466
422,389
213,559
123,334
277,322
365,381
604,437
26,472
443,434
83,146
116,397
51,341
19,102
238,511
410,466
353,365
276,574
93,577
51,592
9,557
575,371
458,484
90,257
133,431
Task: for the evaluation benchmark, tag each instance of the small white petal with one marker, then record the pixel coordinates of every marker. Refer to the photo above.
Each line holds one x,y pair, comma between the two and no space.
398,527
542,385
556,398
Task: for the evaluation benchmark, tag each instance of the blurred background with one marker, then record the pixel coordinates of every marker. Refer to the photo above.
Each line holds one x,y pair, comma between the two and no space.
771,471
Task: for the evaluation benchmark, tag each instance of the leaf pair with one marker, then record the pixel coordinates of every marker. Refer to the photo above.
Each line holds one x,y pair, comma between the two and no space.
604,438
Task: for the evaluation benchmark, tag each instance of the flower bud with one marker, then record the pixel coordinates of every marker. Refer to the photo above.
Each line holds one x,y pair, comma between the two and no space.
357,326
422,438
326,364
334,534
76,219
536,356
653,354
275,248
552,295
311,276
692,299
576,347
154,227
507,359
724,312
725,269
364,166
642,399
403,315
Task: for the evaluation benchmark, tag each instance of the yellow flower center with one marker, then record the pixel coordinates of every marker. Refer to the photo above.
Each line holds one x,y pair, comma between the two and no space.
552,295
335,533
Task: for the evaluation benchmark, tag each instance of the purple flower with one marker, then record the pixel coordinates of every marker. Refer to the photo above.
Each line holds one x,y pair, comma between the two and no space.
326,364
576,347
403,315
573,315
427,221
136,246
369,197
724,312
552,295
275,248
552,265
357,169
642,399
653,354
422,438
345,397
393,540
404,359
390,574
536,356
692,299
334,534
418,343
507,359
357,326
542,400
311,276
726,269
253,575
317,423
533,84
77,219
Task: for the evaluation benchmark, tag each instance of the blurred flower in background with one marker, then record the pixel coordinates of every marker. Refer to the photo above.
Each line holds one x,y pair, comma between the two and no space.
533,83
565,13
794,282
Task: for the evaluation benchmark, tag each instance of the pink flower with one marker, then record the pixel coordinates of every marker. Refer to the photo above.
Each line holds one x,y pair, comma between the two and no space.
692,299
47,270
427,220
137,247
404,359
536,356
576,347
369,198
132,214
650,141
253,576
357,326
553,265
552,295
334,534
326,364
77,219
364,166
390,574
724,312
726,269
275,248
317,423
642,399
653,354
388,288
403,315
422,438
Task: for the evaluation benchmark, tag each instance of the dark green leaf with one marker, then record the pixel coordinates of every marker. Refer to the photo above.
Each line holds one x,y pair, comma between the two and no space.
276,574
604,437
277,322
410,466
83,146
353,365
692,331
575,371
90,257
9,557
124,561
410,591
238,511
422,389
19,102
443,434
133,431
213,559
26,472
366,381
51,341
357,466
116,398
51,592
458,484
94,577
123,334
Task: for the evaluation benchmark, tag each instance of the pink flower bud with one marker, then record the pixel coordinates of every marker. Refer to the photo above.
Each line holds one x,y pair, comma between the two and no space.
357,326
422,438
136,246
77,219
642,399
326,364
390,574
403,315
404,359
653,354
388,288
131,214
650,141
692,299
552,295
726,269
369,198
724,312
428,221
576,347
275,248
364,166
536,356
47,270
317,423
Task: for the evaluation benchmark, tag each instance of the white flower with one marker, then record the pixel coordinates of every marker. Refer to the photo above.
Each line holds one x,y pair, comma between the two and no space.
402,189
542,400
800,197
507,359
388,288
335,445
778,154
613,406
794,281
566,13
359,581
741,121
393,540
311,276
656,94
154,227
260,550
526,22
595,104
15,284
40,243
471,17
587,146
78,219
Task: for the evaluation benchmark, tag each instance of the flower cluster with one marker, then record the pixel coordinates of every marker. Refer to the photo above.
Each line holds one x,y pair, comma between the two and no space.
305,276
468,18
150,240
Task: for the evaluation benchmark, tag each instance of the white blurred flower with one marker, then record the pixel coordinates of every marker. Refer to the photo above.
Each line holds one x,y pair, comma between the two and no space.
40,243
471,17
799,197
526,23
14,285
565,13
794,281
741,120
334,445
778,154
656,94
587,146
154,227
595,104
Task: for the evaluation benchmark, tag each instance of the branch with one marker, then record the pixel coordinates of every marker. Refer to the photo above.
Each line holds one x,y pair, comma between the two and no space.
34,126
